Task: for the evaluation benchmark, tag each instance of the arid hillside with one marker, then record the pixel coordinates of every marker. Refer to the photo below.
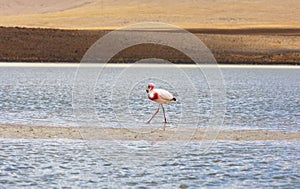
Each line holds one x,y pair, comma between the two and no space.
108,14
246,46
236,31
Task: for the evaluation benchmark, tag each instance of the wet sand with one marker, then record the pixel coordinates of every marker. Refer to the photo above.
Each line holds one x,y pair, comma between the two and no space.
149,133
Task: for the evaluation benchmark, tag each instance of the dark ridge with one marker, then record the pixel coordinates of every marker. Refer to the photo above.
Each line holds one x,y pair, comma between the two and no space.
229,46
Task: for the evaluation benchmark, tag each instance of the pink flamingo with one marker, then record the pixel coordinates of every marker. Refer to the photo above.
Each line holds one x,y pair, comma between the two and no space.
160,96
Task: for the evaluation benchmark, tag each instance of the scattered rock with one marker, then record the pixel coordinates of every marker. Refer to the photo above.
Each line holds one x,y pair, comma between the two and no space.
182,186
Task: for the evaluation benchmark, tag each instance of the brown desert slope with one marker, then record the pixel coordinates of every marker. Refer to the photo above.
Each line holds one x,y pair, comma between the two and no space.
248,46
258,31
108,14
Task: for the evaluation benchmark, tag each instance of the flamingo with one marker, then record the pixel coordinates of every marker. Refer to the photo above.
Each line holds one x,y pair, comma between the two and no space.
160,96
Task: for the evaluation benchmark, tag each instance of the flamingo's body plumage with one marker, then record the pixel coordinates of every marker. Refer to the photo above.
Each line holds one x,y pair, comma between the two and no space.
160,96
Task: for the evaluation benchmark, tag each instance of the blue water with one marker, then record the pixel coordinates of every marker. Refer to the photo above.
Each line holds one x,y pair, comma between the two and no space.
75,164
256,98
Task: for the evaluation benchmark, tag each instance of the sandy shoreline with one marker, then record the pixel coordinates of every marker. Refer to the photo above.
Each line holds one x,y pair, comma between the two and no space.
150,134
141,65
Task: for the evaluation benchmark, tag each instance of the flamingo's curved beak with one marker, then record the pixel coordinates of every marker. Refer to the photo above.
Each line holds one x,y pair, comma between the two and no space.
147,89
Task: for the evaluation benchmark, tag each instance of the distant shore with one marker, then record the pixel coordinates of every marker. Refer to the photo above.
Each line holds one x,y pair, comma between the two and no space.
145,133
229,46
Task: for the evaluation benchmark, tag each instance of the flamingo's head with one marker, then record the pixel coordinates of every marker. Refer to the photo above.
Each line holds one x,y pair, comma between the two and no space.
149,87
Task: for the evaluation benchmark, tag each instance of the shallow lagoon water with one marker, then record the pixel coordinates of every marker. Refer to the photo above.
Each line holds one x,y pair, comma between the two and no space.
75,164
256,97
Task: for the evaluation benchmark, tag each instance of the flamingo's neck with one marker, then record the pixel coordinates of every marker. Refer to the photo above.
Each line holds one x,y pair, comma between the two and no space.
153,95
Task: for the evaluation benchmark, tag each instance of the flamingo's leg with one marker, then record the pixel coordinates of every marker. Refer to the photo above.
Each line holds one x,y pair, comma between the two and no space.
164,113
153,115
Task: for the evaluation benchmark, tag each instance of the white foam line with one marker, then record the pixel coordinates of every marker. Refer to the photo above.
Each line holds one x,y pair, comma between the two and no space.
261,66
197,66
10,64
110,65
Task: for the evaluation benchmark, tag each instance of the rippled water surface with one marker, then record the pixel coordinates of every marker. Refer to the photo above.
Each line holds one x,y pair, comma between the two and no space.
256,97
116,164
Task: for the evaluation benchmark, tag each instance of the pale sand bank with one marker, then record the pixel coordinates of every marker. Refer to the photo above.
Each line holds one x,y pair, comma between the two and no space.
141,65
151,134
